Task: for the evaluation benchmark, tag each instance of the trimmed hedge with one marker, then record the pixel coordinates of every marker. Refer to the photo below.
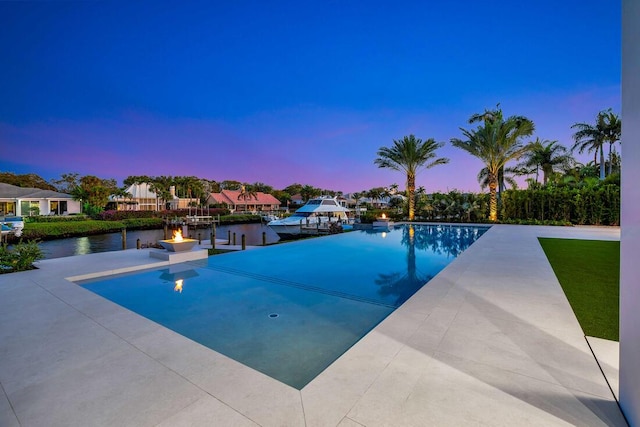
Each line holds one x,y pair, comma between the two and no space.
239,219
55,218
595,205
113,215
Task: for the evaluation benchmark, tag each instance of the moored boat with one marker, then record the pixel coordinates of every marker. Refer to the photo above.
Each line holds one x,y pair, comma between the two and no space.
12,225
317,212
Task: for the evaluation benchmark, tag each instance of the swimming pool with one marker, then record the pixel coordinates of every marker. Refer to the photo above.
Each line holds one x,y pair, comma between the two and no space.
290,310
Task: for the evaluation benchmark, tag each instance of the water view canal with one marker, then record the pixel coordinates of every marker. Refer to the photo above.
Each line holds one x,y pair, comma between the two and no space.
113,241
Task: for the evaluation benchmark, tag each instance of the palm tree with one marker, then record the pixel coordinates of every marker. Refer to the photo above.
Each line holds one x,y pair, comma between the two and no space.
611,127
308,192
246,193
122,193
505,176
607,130
548,156
161,187
409,155
496,141
375,194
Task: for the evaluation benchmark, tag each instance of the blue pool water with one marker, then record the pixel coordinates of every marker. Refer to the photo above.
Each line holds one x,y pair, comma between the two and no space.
290,310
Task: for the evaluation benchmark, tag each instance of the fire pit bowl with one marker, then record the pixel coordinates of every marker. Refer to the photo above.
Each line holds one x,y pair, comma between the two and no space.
178,243
178,246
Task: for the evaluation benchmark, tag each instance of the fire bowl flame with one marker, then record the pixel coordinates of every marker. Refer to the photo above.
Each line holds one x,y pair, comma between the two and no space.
178,243
382,221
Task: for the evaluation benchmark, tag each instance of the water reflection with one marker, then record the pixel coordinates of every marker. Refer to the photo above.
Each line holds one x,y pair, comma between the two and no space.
178,275
83,246
441,240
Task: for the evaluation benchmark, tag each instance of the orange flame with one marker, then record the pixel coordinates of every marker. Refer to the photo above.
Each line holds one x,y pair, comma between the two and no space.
178,286
177,236
383,216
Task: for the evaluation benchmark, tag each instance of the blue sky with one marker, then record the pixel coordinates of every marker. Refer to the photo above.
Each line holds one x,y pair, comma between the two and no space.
290,91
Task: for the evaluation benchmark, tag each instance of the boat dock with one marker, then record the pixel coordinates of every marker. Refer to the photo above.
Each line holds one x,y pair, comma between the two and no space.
315,229
192,221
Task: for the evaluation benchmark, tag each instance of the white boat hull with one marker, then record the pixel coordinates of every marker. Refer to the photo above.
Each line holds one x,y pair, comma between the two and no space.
295,229
12,225
321,210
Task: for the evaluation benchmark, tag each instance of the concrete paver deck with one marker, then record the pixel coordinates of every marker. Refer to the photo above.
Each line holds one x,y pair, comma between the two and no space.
491,340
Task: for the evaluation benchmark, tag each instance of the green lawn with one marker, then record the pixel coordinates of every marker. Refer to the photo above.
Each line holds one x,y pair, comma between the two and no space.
589,272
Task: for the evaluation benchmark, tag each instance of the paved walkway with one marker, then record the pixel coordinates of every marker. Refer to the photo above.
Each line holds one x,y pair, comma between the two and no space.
491,340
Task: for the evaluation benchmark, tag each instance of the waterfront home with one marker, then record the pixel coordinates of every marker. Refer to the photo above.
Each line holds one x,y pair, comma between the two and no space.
21,201
235,202
297,200
141,197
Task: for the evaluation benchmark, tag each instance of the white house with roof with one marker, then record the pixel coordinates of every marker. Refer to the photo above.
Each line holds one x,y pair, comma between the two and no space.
21,201
143,198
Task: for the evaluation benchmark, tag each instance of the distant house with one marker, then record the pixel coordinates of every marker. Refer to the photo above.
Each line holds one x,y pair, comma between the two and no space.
143,198
297,199
235,203
22,201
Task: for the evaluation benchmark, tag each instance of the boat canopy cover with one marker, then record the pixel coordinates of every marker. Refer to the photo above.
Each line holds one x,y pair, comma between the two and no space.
322,205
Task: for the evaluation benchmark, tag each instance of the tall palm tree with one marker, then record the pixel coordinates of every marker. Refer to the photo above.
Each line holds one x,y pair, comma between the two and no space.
607,130
547,156
408,155
496,141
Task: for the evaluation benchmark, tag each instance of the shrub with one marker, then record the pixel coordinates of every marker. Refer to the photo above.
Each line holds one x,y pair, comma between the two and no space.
20,258
56,218
113,215
589,205
335,228
370,216
239,219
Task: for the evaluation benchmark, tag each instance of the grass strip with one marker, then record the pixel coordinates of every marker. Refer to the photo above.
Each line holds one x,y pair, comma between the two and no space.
589,273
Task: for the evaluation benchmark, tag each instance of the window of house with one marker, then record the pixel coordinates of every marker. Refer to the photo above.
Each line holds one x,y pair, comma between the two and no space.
58,207
7,208
29,207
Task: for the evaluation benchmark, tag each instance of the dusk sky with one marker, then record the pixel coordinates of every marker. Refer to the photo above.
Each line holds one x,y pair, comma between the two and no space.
286,92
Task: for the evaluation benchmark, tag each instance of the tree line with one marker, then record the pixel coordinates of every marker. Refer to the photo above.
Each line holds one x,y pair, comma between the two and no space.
497,140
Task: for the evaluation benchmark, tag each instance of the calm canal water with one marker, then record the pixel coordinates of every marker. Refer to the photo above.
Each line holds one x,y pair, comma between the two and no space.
113,241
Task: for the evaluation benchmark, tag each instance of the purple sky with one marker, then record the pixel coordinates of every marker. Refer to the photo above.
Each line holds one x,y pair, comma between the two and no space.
285,92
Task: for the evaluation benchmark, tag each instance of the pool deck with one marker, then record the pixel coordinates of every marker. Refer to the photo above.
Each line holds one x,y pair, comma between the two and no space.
491,340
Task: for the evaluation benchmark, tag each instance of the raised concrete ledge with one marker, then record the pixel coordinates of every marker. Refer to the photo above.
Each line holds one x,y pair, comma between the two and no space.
113,272
175,257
